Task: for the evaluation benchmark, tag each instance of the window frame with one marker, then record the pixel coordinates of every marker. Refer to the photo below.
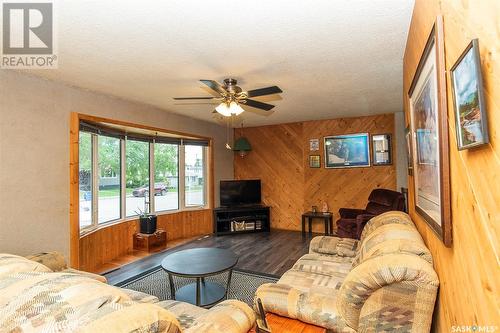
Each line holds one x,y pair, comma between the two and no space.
204,151
153,173
95,225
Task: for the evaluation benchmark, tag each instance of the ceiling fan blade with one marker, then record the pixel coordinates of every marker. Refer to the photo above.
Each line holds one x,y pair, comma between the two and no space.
214,85
264,91
257,104
184,98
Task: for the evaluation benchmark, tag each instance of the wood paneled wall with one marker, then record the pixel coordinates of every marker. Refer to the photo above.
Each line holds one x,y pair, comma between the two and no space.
107,244
280,158
469,270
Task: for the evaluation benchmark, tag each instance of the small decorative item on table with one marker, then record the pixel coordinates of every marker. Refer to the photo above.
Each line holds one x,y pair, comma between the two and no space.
324,210
314,209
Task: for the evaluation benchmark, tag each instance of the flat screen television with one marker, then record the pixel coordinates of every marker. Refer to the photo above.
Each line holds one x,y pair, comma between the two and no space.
240,192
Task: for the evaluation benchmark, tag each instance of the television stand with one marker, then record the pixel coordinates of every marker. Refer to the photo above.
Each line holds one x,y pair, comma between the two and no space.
241,219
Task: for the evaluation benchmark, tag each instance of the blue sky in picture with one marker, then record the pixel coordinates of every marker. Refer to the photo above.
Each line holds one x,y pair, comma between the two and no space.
466,79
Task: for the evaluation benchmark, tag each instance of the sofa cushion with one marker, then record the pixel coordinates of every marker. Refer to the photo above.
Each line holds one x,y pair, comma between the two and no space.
326,284
392,217
97,277
128,317
229,316
392,238
185,313
11,264
344,247
39,301
53,260
307,306
323,264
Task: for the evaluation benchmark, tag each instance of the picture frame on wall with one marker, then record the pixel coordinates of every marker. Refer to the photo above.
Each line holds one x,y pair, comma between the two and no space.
347,151
429,136
314,161
382,149
468,98
409,151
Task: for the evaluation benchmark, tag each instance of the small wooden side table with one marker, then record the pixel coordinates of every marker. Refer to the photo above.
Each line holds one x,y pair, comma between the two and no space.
280,324
327,218
150,242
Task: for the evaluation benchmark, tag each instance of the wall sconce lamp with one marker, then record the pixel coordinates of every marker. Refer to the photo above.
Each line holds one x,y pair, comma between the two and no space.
242,146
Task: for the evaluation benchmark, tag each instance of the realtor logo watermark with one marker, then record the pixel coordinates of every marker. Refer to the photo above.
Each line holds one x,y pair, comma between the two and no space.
28,35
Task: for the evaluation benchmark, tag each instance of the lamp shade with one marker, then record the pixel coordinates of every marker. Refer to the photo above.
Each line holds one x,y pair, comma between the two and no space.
242,146
223,109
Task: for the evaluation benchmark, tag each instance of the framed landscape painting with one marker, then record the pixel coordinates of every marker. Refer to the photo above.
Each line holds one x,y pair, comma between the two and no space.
429,137
467,87
347,151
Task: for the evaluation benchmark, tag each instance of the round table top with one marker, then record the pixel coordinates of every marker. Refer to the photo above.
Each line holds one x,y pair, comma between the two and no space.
199,262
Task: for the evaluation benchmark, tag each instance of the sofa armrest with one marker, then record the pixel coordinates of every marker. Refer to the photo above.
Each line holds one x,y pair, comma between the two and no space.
309,307
230,316
53,260
344,247
350,213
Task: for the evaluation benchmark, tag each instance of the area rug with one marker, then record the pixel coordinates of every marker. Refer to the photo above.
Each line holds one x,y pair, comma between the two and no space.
243,284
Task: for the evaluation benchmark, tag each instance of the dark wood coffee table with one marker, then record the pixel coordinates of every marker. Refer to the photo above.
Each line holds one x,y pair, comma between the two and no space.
200,263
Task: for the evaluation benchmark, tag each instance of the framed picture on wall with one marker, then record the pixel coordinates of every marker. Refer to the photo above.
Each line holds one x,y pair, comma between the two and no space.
347,151
382,149
409,151
429,136
468,98
314,161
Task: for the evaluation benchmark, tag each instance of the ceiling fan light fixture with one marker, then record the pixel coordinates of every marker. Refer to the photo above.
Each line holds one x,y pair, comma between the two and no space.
223,109
235,108
228,110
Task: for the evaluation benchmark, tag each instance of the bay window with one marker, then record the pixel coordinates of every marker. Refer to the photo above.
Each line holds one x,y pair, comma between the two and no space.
123,175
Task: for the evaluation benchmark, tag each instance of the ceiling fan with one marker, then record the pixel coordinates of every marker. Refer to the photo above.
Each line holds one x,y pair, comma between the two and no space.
231,96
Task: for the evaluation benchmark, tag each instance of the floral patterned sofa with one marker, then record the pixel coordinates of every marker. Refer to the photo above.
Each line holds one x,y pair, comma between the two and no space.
34,298
384,282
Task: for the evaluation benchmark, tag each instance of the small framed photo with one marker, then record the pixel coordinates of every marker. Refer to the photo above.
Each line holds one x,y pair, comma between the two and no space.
382,148
468,97
347,151
314,161
314,144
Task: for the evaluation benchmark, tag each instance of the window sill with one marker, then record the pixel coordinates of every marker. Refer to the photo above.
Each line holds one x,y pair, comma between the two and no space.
88,231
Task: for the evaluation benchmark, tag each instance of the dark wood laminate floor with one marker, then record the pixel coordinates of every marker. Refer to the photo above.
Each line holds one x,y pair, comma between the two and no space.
270,253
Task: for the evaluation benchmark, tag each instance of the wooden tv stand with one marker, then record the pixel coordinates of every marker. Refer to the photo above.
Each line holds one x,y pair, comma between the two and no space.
241,219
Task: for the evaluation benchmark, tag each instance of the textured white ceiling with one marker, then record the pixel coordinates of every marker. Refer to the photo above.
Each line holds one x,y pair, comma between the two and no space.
332,58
